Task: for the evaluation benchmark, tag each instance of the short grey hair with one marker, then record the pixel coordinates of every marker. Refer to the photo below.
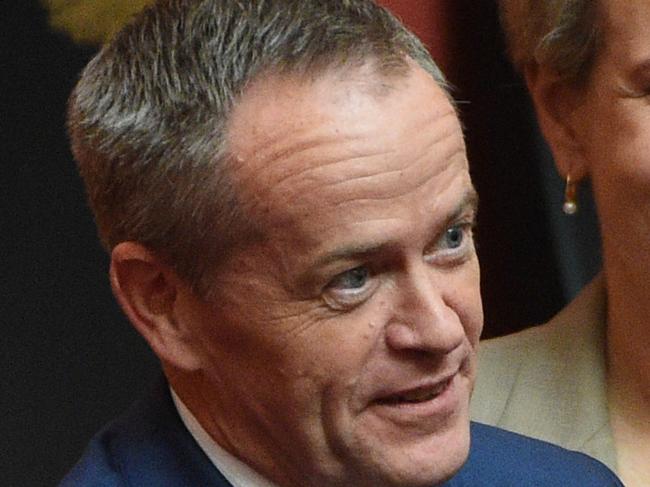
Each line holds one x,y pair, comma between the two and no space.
562,35
147,119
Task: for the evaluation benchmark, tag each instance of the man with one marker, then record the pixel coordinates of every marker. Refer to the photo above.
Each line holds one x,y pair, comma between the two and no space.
283,188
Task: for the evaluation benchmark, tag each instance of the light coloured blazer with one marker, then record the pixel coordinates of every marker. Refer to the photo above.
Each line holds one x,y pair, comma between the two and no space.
548,381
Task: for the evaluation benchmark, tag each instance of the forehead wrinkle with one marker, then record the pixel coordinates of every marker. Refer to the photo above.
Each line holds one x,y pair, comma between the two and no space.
274,147
349,191
450,133
452,151
322,172
274,162
269,146
299,166
397,194
357,204
310,171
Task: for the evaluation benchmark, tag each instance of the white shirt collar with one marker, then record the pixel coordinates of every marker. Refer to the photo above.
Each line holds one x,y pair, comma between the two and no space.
236,472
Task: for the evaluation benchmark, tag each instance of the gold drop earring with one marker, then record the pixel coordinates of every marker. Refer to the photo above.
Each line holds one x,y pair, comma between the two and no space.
570,206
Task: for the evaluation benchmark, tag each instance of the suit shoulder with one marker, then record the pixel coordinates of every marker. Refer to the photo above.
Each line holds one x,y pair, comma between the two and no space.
95,468
499,457
147,445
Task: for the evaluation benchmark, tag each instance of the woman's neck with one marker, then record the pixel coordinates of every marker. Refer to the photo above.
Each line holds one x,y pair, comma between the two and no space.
628,362
628,325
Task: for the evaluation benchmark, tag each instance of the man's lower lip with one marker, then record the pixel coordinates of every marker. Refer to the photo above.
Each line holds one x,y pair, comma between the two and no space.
439,407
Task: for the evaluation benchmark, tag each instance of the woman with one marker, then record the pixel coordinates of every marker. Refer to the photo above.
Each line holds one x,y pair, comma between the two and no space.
583,380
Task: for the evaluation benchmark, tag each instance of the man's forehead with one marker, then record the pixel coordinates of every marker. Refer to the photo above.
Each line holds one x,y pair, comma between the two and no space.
309,148
280,114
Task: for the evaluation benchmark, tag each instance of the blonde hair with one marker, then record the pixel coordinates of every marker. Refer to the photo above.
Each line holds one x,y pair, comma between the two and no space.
563,35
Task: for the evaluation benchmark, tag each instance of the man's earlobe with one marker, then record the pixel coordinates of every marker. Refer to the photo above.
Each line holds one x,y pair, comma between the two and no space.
556,102
147,290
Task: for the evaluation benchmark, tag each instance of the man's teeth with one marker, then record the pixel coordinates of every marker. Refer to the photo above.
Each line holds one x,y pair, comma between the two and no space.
420,395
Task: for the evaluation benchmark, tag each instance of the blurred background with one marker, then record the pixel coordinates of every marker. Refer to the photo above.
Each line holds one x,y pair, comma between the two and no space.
69,360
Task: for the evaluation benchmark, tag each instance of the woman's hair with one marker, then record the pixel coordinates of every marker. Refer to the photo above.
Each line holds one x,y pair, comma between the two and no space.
562,35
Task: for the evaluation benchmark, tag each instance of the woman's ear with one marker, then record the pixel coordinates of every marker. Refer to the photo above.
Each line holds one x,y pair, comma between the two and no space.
148,291
556,103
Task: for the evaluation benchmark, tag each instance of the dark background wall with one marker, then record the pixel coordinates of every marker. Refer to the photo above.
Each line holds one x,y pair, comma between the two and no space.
69,361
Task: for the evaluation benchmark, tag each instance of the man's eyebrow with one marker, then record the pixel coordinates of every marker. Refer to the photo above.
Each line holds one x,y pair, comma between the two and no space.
349,252
468,203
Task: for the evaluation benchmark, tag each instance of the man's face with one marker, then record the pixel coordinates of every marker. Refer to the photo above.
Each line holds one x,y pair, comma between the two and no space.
339,348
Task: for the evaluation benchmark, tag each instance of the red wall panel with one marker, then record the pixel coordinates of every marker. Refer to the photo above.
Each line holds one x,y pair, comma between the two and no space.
431,21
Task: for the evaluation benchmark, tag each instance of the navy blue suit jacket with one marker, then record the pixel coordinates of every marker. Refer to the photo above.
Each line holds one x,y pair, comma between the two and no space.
149,446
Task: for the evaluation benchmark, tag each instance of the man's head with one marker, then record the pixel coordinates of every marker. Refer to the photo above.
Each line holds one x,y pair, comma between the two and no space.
148,117
333,339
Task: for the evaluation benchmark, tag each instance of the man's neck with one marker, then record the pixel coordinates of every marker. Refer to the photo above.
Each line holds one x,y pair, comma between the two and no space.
236,472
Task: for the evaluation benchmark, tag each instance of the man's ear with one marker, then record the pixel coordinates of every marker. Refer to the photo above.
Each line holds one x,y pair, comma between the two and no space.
556,103
148,291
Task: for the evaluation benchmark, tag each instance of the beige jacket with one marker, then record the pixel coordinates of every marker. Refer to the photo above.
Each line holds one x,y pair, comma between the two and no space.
548,381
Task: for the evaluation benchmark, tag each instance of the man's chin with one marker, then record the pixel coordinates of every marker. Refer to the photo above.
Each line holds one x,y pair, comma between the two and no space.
426,460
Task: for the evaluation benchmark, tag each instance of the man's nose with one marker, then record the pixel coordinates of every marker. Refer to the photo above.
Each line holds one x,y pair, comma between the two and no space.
423,320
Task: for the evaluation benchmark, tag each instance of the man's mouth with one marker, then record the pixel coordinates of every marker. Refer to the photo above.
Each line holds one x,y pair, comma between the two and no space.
416,395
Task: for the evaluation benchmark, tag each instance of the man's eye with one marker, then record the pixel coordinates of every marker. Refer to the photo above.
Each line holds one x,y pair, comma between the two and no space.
350,288
353,279
453,246
454,237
